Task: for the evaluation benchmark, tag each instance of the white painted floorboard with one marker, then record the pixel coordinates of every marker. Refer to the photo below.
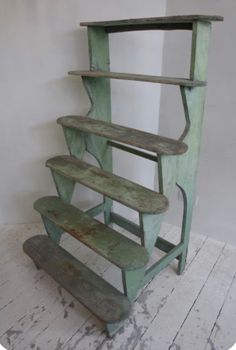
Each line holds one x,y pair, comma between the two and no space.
196,310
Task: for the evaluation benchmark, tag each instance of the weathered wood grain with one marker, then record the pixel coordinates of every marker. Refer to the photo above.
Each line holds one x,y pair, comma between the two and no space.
92,291
124,191
110,244
61,311
137,138
162,23
36,315
53,319
138,77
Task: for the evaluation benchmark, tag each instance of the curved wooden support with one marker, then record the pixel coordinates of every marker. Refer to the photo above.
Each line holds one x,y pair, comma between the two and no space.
99,93
149,229
75,141
53,231
188,201
65,187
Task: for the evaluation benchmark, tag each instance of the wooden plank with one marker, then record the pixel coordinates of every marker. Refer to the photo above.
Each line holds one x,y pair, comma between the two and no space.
42,309
201,318
166,324
151,300
124,191
154,143
163,23
138,77
223,334
110,244
92,291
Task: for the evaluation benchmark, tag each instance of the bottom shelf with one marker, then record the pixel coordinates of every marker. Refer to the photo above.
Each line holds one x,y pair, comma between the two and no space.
102,299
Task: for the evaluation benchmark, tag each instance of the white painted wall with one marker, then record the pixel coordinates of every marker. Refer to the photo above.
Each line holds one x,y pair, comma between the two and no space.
40,41
216,189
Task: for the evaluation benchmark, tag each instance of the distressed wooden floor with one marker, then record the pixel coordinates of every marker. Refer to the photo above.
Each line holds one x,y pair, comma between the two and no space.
194,311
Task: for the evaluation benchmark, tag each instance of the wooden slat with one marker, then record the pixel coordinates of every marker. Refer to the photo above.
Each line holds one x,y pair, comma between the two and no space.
197,328
172,316
119,250
154,143
98,296
223,333
162,23
121,190
138,77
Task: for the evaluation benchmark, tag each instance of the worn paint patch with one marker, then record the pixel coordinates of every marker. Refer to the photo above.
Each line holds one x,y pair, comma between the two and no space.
12,333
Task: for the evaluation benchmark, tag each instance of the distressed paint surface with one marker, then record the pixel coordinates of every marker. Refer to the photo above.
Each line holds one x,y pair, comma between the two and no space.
107,242
154,143
193,102
44,315
98,296
124,191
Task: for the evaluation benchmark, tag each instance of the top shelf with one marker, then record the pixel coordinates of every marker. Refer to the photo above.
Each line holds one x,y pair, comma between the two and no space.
138,77
161,23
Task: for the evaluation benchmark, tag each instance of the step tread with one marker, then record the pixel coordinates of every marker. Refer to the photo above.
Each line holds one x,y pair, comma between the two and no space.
102,299
137,138
165,23
113,246
121,190
138,77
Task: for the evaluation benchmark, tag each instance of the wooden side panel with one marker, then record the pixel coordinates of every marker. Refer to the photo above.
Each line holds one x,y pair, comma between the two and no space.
193,102
99,92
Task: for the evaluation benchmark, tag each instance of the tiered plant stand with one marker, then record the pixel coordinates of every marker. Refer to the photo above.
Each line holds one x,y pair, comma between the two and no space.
177,164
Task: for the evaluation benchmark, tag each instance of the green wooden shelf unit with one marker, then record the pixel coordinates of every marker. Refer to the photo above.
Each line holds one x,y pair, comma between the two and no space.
95,133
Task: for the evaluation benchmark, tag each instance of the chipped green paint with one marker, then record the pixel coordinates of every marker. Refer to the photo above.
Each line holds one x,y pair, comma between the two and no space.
154,143
124,191
102,299
113,246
